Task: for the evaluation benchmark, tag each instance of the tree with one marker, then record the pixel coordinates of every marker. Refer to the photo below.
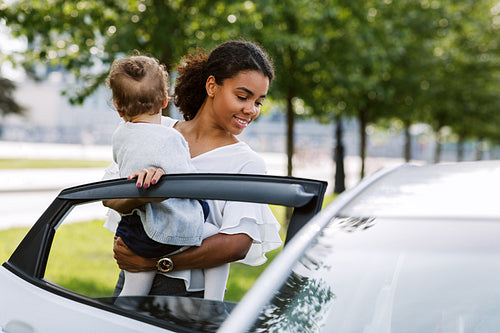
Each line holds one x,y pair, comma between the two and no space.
8,104
462,94
86,36
288,38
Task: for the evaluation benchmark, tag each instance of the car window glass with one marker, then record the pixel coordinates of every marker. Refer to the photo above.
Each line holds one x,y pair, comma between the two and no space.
365,275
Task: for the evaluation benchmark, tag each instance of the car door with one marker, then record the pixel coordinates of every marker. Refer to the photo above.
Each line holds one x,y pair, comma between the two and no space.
33,303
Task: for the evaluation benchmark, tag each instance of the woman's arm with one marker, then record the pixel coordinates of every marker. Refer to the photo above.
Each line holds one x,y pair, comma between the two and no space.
125,206
214,251
145,178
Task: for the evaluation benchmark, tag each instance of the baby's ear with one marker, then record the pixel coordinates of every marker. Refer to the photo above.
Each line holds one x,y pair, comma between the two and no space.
117,107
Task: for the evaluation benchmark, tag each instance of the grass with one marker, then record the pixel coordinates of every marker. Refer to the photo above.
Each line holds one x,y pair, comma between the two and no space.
81,259
26,163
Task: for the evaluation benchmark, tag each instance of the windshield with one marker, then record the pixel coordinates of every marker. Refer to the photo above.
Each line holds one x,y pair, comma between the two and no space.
376,275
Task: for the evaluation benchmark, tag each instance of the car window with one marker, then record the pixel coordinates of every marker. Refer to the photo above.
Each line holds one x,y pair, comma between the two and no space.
367,275
81,256
81,261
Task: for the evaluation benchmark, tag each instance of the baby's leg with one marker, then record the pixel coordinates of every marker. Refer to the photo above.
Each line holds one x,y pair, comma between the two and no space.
215,282
137,283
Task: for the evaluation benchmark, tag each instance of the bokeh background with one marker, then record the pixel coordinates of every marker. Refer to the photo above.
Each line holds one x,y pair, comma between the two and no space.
360,84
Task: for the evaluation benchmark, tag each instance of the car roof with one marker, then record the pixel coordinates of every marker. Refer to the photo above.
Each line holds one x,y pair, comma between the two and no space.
449,190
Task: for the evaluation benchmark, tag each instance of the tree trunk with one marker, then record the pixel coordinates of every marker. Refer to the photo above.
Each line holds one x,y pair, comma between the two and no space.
407,149
437,150
339,186
479,150
290,117
460,148
363,122
289,146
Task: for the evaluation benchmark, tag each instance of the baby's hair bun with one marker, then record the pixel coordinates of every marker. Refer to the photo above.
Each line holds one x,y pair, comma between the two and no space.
135,68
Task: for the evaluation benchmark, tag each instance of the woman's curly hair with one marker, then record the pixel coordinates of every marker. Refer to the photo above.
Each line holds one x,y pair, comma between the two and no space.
223,62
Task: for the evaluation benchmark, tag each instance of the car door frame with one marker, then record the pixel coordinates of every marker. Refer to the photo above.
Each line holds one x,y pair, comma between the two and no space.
30,258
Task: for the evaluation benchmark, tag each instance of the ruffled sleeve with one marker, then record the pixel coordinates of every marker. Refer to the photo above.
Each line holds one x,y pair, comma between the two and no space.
258,222
231,217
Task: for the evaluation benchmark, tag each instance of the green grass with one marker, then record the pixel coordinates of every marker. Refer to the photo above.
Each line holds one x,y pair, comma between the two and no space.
26,163
9,239
81,259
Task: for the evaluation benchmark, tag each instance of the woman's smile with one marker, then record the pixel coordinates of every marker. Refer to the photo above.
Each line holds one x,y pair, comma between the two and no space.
242,123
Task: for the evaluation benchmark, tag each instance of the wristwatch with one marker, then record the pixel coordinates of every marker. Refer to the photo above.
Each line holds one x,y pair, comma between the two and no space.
165,265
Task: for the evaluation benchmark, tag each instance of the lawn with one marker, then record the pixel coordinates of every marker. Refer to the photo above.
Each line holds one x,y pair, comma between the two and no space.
81,259
27,163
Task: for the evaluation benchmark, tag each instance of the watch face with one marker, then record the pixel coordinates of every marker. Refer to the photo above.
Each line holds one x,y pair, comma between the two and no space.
165,265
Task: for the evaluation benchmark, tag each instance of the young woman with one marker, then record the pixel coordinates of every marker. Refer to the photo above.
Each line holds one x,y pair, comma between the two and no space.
219,95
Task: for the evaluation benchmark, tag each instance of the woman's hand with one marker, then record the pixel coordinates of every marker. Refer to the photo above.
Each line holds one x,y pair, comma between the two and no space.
128,260
147,177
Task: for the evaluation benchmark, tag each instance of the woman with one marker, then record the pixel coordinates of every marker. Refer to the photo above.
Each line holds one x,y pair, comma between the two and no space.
219,95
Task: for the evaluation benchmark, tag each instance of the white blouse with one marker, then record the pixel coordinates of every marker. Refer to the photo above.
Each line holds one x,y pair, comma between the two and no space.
230,217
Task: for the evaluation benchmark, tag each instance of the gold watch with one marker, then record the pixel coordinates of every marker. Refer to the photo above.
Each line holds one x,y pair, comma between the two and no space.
165,265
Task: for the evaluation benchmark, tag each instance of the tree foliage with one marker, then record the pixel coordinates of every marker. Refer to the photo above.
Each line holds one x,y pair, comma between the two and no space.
84,37
434,62
8,104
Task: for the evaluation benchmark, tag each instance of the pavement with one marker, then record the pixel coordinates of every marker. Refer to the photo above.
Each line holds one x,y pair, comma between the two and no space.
50,179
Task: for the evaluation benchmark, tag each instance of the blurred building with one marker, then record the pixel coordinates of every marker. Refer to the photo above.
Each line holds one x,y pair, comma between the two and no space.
51,118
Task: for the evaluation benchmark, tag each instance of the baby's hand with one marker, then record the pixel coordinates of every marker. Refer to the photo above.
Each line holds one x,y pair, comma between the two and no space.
147,177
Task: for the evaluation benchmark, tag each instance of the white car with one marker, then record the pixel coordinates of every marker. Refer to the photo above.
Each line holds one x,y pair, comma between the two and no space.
412,249
409,249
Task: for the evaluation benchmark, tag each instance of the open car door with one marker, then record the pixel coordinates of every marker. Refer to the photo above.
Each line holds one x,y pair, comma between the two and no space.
31,303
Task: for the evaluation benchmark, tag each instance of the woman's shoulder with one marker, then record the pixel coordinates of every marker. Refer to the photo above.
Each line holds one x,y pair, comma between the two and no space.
168,122
249,160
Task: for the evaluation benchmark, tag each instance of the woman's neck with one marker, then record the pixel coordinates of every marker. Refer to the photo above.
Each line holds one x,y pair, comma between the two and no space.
202,137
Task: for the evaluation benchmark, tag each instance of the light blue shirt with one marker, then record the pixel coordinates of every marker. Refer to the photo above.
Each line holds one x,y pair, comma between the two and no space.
138,146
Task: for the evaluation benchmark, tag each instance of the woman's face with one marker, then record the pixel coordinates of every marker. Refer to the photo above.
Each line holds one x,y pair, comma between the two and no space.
237,102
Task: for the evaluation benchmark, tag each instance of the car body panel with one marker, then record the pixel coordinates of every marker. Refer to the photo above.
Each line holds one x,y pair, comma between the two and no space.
40,310
429,191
